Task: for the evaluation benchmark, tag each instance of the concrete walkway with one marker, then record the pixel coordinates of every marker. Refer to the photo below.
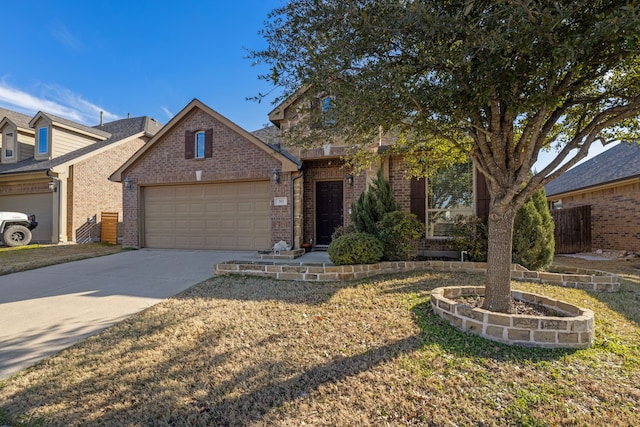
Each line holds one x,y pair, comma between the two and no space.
45,310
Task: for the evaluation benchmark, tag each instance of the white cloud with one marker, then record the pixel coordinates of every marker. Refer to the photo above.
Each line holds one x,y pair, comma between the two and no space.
55,100
61,33
167,112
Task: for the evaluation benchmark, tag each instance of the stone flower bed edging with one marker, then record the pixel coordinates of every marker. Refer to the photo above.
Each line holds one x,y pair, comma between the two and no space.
574,331
318,272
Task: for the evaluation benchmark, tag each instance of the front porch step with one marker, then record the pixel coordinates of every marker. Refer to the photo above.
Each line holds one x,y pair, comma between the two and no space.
292,254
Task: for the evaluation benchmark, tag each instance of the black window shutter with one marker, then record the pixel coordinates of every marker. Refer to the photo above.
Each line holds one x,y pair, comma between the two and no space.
189,145
208,143
483,198
418,196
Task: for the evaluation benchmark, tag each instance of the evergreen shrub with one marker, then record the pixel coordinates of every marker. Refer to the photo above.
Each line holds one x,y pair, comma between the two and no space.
355,248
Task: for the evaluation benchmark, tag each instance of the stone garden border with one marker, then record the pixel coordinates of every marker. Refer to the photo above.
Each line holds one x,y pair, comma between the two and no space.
590,280
574,331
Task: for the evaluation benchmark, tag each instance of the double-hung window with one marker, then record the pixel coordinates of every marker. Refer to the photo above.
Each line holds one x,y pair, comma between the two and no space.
8,144
449,194
199,145
43,140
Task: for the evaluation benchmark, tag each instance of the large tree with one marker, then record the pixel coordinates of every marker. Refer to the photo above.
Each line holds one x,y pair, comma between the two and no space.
499,81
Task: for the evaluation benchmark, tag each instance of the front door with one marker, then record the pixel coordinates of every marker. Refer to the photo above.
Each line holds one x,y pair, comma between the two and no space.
329,207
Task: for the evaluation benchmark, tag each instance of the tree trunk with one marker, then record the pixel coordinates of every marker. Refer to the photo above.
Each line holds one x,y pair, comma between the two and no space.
498,287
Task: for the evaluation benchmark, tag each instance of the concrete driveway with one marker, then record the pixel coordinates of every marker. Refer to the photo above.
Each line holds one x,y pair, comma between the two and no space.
45,310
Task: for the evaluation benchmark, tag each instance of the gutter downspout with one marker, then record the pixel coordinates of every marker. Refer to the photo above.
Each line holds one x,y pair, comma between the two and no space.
293,208
58,190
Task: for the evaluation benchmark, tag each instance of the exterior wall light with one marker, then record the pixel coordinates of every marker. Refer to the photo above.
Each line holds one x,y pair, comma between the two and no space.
350,180
275,176
128,183
52,186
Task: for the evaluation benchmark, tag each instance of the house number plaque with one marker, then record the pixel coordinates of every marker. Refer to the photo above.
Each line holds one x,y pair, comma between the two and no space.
279,201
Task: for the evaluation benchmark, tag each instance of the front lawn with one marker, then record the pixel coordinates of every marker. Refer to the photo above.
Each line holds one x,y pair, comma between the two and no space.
252,351
21,258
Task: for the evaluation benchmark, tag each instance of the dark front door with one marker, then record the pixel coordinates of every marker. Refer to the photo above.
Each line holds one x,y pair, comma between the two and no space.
328,210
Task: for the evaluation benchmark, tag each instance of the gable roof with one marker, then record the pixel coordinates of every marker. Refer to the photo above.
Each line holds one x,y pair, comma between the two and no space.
117,132
94,132
18,119
616,164
288,165
271,136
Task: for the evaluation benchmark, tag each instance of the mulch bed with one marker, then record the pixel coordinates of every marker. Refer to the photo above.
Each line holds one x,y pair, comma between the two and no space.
517,307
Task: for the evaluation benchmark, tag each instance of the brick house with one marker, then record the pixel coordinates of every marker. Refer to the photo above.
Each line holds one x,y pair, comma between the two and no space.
203,182
58,170
326,179
610,184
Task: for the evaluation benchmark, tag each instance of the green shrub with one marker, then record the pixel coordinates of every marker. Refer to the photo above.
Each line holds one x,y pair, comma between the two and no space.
355,248
533,241
342,230
398,232
372,204
470,235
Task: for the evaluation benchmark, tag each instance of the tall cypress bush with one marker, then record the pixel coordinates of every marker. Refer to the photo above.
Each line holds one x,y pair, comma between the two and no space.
372,204
533,241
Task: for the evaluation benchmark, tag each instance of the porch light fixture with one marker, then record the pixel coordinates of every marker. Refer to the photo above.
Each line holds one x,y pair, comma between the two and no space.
128,183
52,186
350,180
275,176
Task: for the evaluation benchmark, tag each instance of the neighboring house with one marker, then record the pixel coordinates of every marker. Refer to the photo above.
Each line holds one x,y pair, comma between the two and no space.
58,170
610,184
203,182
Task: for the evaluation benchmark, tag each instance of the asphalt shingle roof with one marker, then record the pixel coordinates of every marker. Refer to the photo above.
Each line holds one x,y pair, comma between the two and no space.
271,136
93,130
615,164
20,120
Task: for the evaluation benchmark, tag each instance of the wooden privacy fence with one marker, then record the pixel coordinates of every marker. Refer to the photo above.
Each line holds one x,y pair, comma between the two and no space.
109,228
572,229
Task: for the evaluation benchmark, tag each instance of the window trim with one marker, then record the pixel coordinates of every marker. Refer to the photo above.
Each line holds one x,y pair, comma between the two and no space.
13,145
450,213
42,129
199,147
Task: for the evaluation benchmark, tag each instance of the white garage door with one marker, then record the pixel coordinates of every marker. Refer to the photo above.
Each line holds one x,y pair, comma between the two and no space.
39,204
208,216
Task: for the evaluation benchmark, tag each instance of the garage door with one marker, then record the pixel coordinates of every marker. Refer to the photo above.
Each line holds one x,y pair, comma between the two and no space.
208,216
39,204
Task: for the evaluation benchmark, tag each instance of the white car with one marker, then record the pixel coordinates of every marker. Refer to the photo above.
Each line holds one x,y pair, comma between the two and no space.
15,228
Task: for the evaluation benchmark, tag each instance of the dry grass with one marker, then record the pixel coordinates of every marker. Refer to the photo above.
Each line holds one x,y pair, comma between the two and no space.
251,351
24,258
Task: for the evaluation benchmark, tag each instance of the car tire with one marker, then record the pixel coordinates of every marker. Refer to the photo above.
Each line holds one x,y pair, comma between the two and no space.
16,235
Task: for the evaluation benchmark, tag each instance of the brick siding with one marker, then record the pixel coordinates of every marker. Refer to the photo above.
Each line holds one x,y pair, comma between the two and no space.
234,158
615,216
91,193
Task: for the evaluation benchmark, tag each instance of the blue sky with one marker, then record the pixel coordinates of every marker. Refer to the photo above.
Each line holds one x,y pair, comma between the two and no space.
144,58
77,58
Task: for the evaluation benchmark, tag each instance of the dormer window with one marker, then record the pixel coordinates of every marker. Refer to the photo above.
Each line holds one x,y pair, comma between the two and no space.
43,140
199,148
8,144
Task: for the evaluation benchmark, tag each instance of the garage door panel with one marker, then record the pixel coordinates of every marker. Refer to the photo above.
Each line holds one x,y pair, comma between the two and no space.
40,204
211,216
